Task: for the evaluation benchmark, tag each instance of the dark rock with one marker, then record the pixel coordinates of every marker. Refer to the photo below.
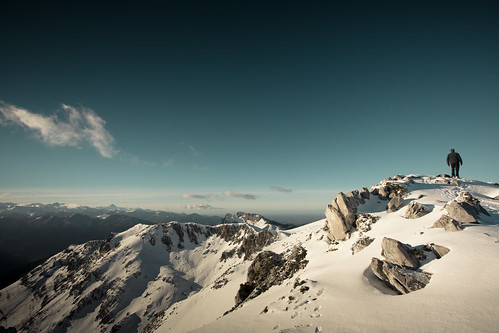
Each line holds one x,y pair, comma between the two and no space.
448,223
361,244
401,279
254,243
415,210
269,269
398,253
364,193
245,289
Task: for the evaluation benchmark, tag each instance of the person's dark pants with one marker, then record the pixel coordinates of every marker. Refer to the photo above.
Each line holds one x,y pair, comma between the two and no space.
455,169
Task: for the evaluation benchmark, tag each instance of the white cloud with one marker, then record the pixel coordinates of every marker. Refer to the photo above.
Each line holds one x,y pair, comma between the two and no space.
280,189
75,127
199,196
200,207
231,194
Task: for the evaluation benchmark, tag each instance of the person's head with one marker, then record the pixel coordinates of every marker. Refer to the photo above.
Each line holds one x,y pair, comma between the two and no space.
452,150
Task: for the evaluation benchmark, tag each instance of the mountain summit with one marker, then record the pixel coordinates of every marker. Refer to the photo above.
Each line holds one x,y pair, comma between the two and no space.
412,253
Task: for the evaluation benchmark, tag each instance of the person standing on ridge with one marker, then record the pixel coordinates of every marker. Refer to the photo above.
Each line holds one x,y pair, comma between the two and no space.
454,160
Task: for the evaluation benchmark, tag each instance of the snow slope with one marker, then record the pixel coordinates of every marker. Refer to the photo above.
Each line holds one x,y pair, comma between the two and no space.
141,281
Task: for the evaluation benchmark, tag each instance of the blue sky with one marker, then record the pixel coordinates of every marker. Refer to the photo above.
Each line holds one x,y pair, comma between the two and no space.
214,107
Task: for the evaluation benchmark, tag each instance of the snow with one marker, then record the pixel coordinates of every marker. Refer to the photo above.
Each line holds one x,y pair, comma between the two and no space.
462,296
190,288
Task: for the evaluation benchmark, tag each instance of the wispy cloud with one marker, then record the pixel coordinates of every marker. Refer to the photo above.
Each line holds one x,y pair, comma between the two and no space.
231,194
200,207
280,189
199,196
194,151
75,127
167,164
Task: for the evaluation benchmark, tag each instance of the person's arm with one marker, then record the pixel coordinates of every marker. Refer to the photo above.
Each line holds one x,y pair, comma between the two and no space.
460,159
448,160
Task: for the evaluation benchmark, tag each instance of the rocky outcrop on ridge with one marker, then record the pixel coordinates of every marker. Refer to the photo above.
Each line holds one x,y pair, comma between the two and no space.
341,214
465,208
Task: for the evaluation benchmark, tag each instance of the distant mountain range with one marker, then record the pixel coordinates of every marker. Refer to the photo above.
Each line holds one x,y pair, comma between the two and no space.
31,233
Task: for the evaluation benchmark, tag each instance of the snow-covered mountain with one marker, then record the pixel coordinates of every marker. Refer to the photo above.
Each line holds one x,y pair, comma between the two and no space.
33,232
363,268
257,221
57,209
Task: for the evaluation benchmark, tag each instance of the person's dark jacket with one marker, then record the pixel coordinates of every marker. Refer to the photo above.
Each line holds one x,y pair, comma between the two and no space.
454,158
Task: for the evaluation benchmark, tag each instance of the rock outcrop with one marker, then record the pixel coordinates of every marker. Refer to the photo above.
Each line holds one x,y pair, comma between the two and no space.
415,210
269,269
361,244
439,250
341,215
448,223
399,278
400,271
395,204
465,208
398,253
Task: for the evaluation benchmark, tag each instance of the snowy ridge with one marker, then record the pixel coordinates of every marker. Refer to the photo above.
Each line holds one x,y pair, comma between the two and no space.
182,277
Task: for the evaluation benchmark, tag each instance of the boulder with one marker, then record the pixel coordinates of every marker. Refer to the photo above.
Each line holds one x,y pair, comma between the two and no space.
399,278
448,223
439,250
398,253
465,208
458,213
496,197
415,210
341,215
395,204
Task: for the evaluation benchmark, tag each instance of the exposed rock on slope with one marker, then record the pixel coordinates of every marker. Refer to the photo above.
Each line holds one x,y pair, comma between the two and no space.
399,278
270,269
395,203
415,210
341,214
465,208
448,223
400,270
398,253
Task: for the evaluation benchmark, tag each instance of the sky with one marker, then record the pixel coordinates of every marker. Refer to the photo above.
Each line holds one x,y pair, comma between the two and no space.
270,107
